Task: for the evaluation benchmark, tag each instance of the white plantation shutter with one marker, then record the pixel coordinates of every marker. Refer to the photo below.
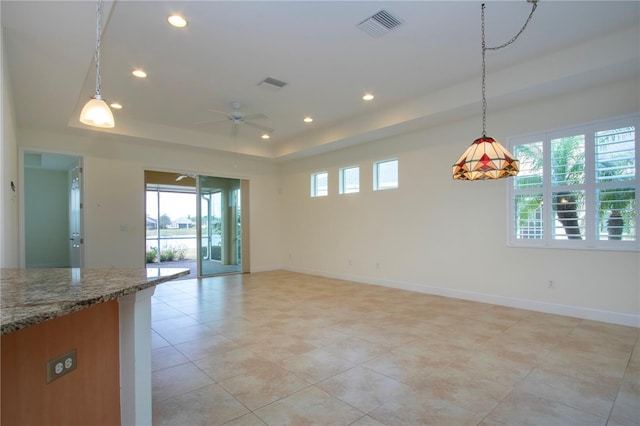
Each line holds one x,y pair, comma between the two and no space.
577,187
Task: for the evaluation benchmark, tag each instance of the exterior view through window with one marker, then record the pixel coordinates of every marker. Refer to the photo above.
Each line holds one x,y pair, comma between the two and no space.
320,184
385,174
577,187
180,232
349,180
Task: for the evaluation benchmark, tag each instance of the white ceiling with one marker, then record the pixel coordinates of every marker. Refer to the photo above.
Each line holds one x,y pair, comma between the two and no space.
422,72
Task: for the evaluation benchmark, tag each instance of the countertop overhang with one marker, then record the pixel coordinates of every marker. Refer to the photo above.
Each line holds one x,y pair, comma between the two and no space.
31,296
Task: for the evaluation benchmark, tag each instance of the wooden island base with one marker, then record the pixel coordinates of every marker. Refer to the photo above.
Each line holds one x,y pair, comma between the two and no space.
89,395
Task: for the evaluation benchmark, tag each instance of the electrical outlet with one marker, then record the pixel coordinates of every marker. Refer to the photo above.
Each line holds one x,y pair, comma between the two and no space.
61,365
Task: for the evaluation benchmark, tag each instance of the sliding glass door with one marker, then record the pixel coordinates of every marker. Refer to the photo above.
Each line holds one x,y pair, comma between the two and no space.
220,226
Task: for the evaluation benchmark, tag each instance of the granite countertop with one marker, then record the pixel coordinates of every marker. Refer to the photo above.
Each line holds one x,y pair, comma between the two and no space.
31,296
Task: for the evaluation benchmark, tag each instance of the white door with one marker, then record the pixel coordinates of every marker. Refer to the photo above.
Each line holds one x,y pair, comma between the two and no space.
75,216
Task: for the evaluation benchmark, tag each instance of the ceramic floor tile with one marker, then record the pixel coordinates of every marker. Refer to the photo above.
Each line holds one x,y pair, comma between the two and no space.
309,407
316,365
277,348
593,398
212,345
300,349
366,421
246,420
233,363
596,369
416,410
177,380
401,365
626,410
166,357
186,334
356,350
172,323
364,389
472,391
210,406
521,408
158,341
260,387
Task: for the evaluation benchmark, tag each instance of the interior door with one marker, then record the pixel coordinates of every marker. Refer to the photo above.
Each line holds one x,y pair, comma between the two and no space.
75,216
52,211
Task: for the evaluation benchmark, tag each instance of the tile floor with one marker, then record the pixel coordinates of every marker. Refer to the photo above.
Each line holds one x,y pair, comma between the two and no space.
281,348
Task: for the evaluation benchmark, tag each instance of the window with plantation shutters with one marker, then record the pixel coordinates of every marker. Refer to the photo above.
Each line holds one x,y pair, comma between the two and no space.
577,187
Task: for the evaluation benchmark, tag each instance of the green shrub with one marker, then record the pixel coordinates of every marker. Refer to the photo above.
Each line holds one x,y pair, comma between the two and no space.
173,254
152,255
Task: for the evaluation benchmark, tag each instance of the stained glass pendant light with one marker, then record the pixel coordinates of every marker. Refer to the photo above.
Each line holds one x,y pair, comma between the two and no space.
486,158
96,112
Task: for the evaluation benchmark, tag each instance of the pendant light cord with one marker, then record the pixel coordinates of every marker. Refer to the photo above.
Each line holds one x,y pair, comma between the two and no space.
484,50
98,42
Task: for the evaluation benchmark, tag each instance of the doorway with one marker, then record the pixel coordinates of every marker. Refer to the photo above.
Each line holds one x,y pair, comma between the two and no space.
52,211
195,222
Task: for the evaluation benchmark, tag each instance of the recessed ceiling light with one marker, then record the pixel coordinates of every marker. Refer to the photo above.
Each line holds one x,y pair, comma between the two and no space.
115,105
265,136
139,73
368,97
308,119
177,21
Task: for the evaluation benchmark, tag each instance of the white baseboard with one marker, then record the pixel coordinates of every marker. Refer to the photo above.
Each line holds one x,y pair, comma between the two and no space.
512,302
265,268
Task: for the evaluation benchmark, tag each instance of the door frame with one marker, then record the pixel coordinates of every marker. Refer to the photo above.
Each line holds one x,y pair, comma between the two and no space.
22,151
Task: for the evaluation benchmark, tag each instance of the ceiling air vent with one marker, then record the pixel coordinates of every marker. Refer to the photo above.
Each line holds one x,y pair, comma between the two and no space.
380,23
273,82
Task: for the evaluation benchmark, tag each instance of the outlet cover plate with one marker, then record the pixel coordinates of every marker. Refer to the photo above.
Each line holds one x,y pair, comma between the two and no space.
61,365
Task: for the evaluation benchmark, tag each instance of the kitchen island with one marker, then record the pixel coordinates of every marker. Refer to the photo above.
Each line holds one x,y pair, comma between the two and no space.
104,315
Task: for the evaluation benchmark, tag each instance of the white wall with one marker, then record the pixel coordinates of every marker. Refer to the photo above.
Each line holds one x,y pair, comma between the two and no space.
114,192
9,226
436,235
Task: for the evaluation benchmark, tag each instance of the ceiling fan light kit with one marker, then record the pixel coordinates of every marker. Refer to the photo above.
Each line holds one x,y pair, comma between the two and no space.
486,158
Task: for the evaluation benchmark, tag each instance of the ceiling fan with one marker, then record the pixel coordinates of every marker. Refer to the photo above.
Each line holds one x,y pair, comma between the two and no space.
238,117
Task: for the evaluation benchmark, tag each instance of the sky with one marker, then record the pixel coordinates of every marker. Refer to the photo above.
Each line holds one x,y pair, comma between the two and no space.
176,205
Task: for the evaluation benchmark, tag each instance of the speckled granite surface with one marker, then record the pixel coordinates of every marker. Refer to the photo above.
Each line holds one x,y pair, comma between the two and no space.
31,296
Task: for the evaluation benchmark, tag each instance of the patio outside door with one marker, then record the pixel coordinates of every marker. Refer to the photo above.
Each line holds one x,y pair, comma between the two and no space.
220,226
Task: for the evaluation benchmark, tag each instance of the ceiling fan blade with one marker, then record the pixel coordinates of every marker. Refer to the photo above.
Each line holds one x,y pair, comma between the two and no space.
259,126
258,116
209,122
217,111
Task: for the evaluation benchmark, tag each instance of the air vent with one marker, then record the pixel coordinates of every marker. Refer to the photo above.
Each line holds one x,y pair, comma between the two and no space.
380,23
273,82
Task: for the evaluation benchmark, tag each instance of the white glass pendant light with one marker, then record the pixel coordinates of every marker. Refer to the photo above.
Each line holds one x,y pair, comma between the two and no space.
96,112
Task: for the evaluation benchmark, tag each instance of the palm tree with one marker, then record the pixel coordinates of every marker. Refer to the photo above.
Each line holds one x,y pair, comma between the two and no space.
568,169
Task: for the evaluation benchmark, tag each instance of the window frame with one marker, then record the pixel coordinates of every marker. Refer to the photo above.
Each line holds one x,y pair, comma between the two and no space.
376,183
342,190
591,186
314,184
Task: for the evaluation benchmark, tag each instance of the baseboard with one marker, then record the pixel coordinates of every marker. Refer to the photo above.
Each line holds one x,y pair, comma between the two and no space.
265,269
512,302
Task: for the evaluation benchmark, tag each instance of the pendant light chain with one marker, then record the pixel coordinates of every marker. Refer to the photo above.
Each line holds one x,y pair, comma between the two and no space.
98,43
484,75
484,50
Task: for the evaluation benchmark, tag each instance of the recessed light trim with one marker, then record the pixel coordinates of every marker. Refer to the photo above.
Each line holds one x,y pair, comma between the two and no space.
265,136
308,119
177,21
368,97
116,105
139,73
